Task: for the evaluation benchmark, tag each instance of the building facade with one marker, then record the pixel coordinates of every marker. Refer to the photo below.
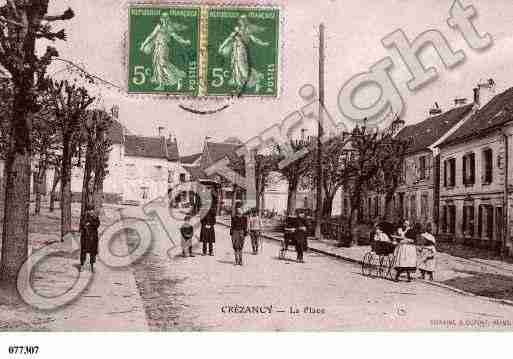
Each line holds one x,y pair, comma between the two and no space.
476,178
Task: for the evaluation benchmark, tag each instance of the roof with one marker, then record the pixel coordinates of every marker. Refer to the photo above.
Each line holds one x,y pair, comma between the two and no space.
115,132
216,151
494,114
172,150
190,159
196,172
427,132
151,147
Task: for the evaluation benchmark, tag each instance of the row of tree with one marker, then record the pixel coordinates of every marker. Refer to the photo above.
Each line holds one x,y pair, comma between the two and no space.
43,121
356,162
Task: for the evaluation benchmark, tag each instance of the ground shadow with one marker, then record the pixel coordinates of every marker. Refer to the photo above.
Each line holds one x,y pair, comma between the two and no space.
484,284
468,252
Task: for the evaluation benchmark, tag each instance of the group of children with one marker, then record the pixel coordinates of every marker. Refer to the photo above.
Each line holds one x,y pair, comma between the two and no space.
415,249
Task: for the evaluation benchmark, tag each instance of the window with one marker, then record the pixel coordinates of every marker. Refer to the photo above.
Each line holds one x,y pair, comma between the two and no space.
413,207
422,167
487,174
468,220
369,207
424,207
131,170
182,177
448,224
345,206
450,172
469,169
376,206
443,220
145,192
485,221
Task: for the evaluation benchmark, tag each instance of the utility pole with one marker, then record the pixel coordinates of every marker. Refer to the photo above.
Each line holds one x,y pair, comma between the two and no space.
318,202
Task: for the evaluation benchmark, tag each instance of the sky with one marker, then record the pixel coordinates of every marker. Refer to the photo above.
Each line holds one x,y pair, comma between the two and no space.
354,29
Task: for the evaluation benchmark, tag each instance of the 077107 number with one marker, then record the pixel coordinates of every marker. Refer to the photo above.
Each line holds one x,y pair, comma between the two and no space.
23,349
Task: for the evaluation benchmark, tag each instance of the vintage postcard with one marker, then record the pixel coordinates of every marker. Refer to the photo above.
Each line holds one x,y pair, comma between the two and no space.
250,165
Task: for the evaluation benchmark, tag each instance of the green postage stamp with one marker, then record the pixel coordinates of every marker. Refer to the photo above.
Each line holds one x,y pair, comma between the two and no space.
204,50
163,50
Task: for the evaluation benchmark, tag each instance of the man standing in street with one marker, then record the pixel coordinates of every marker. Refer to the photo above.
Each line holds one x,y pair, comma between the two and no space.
89,237
255,230
238,232
300,234
207,233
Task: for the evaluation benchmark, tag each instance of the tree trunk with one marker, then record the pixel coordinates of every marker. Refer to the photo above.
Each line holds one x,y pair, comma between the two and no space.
98,196
389,216
41,173
56,180
66,188
16,214
327,206
353,222
292,197
17,183
234,199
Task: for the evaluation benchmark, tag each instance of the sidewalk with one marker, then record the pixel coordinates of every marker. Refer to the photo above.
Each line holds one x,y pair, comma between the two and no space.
470,276
111,303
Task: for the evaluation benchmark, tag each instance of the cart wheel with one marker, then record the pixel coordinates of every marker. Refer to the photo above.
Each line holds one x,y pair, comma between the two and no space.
382,265
390,267
367,264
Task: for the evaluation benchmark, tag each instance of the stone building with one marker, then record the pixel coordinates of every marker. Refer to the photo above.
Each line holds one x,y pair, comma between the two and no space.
476,178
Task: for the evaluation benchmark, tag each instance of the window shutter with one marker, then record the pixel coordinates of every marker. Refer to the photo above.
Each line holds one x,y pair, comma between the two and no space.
445,173
464,170
480,223
453,172
429,167
472,168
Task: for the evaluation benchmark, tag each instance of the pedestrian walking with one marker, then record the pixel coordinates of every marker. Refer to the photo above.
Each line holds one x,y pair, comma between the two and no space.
238,232
405,252
187,232
207,233
301,236
427,255
89,237
255,230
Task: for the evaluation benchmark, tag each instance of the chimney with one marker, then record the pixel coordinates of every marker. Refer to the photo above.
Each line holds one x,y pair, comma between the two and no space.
435,110
460,102
481,97
477,100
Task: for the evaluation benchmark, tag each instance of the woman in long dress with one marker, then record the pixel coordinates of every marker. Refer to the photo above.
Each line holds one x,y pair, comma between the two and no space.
236,48
165,73
406,252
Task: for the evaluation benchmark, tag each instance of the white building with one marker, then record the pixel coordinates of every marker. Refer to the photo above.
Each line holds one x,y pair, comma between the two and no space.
140,169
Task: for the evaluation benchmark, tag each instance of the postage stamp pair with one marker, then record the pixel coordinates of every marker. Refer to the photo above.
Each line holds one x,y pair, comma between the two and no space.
203,50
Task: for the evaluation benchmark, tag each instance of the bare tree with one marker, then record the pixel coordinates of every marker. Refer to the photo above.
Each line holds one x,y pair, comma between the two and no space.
265,164
98,146
46,144
22,23
70,103
373,152
295,170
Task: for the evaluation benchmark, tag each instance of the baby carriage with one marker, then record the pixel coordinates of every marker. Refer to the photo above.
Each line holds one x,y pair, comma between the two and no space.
379,261
289,237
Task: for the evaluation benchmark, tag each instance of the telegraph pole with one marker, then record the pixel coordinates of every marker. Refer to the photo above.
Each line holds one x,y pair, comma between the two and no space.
318,211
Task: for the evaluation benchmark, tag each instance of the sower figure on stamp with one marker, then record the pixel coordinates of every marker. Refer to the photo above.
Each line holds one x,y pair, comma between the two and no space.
238,232
208,234
255,230
89,237
300,234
